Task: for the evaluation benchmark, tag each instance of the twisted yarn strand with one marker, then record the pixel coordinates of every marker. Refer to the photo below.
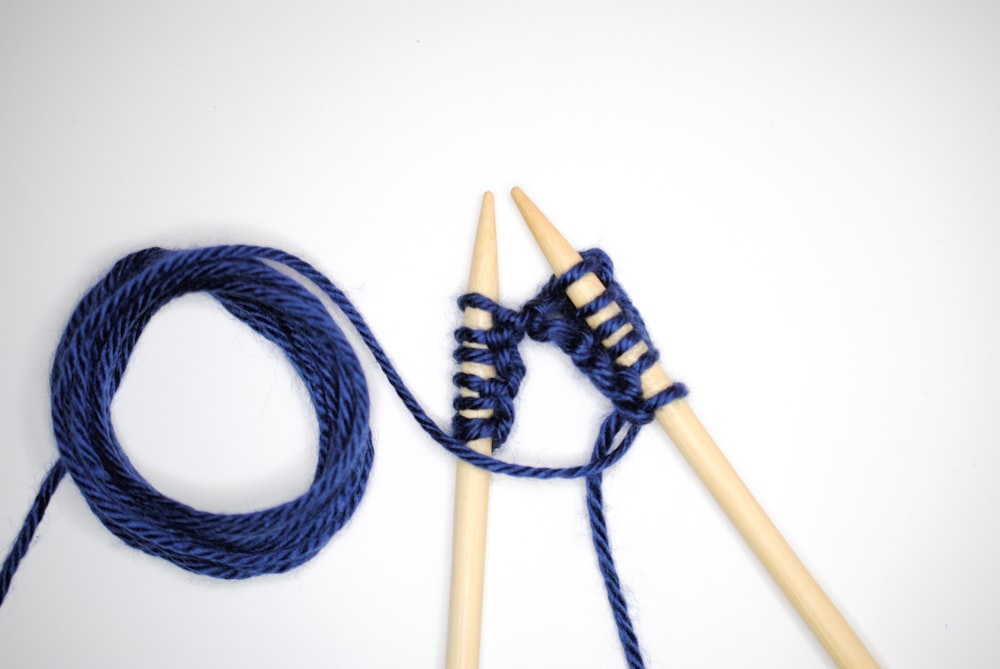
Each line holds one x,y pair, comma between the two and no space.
31,521
267,290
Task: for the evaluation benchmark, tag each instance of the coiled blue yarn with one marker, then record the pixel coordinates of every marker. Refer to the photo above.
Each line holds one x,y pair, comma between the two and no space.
264,288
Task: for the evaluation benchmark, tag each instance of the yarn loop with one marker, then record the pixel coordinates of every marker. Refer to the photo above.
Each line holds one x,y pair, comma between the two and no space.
269,291
88,367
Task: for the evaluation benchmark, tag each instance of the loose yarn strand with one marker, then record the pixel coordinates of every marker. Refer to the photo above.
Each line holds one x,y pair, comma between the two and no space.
31,521
602,544
247,281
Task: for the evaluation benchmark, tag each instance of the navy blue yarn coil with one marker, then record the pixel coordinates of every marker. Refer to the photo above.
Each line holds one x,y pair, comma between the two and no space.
88,367
266,289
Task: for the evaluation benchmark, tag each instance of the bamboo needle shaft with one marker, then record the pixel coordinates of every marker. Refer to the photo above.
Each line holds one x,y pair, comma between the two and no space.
711,466
468,557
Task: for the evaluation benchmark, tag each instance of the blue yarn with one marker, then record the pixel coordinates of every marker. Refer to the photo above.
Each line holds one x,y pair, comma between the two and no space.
31,521
258,286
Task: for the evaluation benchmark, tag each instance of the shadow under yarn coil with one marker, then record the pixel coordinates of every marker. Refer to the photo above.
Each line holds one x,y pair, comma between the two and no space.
259,286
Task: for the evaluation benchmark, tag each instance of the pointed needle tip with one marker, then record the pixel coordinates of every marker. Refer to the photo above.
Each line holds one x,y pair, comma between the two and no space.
483,275
560,254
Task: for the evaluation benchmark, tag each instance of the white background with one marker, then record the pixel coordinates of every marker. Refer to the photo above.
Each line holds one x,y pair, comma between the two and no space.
803,201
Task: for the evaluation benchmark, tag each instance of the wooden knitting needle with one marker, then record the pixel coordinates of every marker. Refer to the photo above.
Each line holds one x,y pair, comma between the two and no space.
472,485
708,462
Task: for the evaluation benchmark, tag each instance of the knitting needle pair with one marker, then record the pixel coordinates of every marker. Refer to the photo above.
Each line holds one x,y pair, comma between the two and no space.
680,424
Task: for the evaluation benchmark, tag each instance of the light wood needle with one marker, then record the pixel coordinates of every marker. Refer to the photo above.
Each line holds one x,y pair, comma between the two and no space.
472,485
711,466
